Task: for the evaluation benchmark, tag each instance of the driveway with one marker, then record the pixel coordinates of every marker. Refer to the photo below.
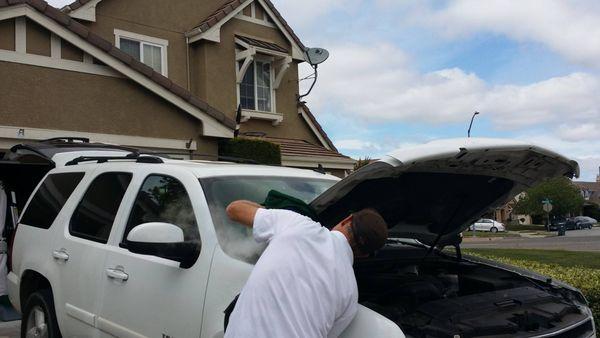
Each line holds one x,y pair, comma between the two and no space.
10,329
575,240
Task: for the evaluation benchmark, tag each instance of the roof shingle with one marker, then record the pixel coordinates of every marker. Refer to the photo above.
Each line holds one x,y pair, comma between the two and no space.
295,147
262,44
65,20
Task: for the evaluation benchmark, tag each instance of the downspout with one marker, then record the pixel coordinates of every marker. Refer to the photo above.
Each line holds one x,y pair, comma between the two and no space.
187,63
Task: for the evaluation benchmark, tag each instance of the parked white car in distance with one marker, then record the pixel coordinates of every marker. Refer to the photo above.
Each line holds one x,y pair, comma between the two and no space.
486,224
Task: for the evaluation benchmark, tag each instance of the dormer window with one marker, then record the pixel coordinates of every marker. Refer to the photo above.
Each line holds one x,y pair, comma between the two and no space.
149,50
261,66
256,91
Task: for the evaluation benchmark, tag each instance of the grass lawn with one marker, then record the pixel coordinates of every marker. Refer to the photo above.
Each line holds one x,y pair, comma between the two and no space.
558,257
485,234
531,227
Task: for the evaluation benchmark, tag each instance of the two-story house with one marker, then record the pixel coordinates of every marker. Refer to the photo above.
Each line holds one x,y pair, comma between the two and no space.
162,75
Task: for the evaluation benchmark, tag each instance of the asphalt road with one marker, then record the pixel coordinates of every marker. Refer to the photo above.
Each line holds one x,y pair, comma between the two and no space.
575,240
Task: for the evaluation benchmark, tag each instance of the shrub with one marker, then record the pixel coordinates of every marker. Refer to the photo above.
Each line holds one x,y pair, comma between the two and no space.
585,279
259,151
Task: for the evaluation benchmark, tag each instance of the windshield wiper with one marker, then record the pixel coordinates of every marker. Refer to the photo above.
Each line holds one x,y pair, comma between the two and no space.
399,241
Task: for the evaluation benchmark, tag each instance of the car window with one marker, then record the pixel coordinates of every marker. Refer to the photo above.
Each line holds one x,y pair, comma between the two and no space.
236,240
94,217
50,198
163,199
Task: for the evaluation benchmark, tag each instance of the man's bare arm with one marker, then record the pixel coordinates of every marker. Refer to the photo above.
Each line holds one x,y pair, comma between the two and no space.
243,212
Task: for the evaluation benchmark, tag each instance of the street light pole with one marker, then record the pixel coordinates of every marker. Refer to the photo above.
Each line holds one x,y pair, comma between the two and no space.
471,124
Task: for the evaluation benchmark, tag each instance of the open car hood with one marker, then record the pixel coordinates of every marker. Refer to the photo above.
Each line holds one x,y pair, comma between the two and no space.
442,187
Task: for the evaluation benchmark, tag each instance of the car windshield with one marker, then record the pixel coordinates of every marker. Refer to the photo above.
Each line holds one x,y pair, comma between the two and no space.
235,239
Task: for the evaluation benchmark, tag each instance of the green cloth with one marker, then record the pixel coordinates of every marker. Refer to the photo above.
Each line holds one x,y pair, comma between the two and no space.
279,200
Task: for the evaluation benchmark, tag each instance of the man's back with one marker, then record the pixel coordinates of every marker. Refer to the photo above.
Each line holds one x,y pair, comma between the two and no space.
302,286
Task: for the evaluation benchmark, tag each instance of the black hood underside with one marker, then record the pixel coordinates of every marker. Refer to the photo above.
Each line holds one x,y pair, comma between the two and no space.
442,203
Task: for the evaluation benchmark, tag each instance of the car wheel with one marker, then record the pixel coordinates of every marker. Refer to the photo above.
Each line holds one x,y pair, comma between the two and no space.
39,318
494,230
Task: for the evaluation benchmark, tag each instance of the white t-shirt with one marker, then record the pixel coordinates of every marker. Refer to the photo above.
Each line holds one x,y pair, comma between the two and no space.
302,286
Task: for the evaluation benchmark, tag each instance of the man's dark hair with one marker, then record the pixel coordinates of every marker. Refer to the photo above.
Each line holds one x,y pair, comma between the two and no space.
369,229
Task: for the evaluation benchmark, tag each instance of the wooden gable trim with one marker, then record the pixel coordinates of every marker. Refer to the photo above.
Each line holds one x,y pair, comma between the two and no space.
214,33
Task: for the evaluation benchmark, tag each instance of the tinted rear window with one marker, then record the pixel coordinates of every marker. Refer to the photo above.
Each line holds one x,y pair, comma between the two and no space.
93,219
50,198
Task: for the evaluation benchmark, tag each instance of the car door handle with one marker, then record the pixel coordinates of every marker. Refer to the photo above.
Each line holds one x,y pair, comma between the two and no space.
60,255
117,274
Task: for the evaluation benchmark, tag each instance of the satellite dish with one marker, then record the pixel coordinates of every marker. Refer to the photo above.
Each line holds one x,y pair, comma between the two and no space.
316,56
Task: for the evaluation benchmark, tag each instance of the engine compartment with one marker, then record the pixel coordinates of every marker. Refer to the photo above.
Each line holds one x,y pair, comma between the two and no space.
444,297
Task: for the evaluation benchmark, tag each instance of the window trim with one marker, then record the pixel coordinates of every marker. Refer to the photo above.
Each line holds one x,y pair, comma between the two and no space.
252,18
263,60
256,113
148,40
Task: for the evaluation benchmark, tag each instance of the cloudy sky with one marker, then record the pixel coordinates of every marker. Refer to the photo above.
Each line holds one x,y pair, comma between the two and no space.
407,71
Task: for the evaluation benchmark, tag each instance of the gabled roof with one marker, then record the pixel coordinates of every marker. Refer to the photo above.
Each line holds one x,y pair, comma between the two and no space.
231,6
209,28
591,186
296,147
84,33
76,4
316,126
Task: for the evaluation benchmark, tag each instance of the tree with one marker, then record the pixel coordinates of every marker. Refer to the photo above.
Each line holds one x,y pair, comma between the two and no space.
565,196
362,162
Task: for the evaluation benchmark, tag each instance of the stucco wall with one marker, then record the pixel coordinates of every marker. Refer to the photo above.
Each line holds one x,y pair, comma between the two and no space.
212,65
162,19
7,34
46,98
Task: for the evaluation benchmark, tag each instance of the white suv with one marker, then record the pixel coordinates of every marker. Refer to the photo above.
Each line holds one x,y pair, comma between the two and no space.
140,246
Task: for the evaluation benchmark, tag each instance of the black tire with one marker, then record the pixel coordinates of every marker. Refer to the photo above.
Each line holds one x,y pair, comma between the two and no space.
494,230
43,302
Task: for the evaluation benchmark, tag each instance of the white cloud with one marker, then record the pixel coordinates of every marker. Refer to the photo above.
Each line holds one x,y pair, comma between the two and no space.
356,144
582,132
308,12
569,27
377,84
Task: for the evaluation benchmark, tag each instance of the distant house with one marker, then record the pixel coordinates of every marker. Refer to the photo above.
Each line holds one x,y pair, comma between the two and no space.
162,75
506,213
590,191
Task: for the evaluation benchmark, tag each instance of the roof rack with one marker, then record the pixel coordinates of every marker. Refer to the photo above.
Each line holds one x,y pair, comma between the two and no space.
233,159
104,159
67,139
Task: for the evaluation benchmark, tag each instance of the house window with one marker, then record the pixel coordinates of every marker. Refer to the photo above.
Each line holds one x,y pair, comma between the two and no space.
149,50
256,88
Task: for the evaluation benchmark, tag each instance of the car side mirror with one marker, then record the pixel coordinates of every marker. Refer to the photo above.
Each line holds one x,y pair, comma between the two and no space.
156,233
163,240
